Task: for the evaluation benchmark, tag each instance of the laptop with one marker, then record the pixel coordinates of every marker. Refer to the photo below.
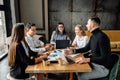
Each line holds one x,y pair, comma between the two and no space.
62,44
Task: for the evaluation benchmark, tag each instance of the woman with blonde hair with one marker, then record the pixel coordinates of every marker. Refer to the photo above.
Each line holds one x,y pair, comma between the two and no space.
80,39
19,55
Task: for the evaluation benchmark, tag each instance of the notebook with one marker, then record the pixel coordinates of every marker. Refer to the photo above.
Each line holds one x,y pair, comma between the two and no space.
62,44
70,59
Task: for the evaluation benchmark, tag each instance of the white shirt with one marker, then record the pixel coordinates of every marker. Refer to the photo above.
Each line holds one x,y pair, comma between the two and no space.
33,43
26,48
80,42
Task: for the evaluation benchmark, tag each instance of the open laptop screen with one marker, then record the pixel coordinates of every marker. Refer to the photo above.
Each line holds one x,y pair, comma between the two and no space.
62,44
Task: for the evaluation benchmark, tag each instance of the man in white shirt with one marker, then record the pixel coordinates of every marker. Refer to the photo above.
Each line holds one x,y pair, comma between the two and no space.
34,43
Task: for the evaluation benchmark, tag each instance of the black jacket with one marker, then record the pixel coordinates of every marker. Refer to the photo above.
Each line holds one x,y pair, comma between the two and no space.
21,62
99,44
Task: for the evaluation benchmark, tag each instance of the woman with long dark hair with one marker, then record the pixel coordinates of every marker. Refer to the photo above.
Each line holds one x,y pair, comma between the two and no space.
19,55
59,34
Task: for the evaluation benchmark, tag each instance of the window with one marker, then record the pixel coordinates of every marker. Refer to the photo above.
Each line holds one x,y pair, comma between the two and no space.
1,2
3,37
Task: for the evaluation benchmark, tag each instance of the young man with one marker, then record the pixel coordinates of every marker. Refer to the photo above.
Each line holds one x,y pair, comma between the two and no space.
99,45
34,43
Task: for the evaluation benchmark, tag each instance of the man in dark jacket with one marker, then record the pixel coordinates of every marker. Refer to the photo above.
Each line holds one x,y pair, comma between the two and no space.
99,45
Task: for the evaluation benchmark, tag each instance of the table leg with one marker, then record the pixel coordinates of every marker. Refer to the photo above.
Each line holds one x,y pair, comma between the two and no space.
39,76
46,76
71,76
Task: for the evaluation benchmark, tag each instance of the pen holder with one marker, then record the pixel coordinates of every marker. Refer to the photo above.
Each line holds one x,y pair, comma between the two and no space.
60,61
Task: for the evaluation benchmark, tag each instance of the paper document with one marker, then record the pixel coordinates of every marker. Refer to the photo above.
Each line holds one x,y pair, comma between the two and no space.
60,54
54,55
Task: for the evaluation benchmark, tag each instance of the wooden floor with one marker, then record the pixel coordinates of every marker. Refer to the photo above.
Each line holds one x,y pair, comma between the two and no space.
4,69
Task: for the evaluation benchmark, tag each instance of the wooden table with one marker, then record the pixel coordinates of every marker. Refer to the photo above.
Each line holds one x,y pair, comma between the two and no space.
56,68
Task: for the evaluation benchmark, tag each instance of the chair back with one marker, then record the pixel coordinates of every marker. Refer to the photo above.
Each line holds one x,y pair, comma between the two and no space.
115,66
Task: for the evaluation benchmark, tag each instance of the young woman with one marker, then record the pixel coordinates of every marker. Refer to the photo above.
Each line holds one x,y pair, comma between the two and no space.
81,39
59,34
20,55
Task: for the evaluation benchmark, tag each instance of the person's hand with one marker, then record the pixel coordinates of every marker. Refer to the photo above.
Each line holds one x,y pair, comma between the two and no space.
49,47
72,48
44,53
68,51
81,60
44,56
48,53
41,54
73,45
40,58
